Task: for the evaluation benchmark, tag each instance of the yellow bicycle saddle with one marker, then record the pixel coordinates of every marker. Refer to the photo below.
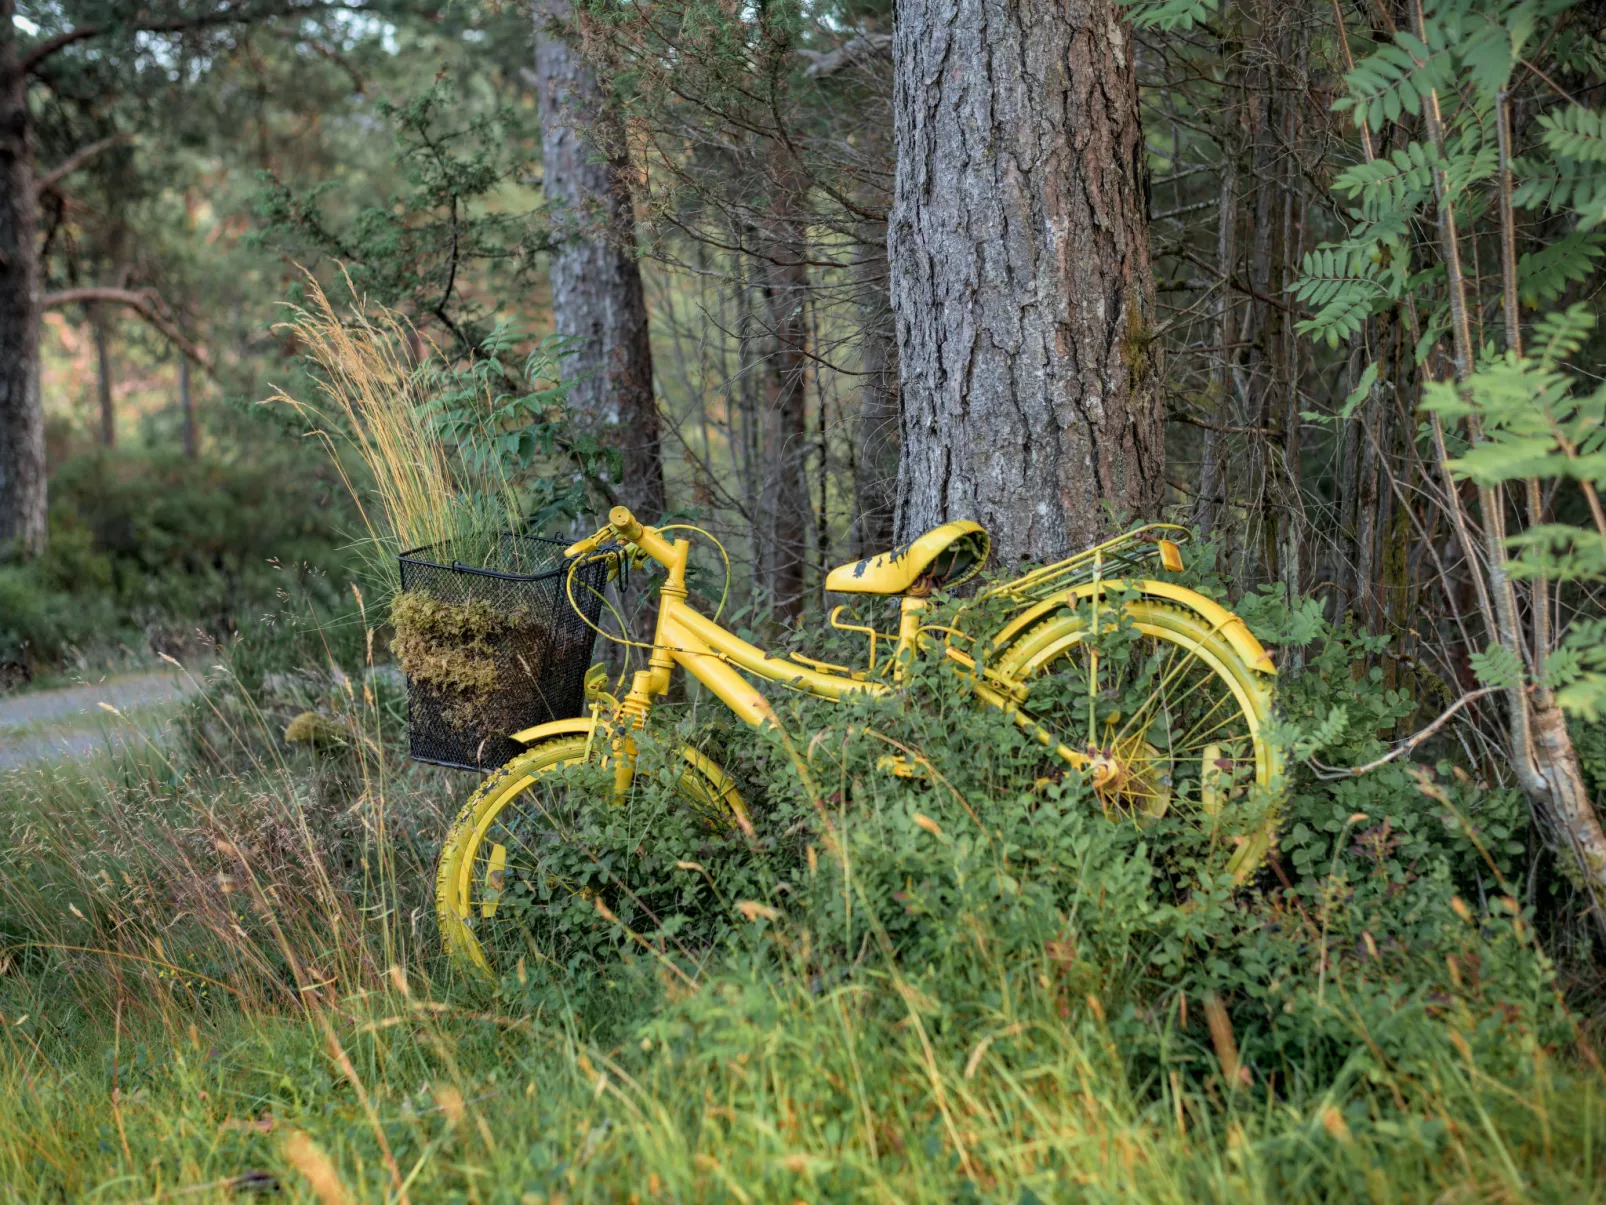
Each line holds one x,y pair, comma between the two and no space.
950,554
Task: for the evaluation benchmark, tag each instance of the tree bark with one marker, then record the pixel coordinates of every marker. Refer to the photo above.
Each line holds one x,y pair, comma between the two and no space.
875,468
597,298
1212,469
22,424
103,379
786,379
1020,274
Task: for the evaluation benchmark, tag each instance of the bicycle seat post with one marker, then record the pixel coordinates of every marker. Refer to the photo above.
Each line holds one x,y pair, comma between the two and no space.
913,605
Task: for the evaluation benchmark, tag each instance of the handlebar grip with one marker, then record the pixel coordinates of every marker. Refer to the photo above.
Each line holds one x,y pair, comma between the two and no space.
625,523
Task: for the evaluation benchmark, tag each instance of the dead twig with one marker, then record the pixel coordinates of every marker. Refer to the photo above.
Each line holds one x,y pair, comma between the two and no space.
1333,773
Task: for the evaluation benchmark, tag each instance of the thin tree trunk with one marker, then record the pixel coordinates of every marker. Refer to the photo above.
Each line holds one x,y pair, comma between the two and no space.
754,484
1267,338
1020,274
1542,753
186,406
1212,469
103,378
786,377
1291,555
22,423
597,298
875,475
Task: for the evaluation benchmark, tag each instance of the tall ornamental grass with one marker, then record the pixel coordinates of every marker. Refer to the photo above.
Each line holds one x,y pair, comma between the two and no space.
376,392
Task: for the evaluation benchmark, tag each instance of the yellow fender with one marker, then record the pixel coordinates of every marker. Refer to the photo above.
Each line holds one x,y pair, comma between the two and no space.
579,726
1233,629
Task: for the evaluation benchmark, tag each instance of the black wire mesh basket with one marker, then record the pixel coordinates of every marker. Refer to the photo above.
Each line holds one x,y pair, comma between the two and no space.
489,651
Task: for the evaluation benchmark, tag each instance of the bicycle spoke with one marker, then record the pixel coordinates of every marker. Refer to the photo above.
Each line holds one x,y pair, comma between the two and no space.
1194,731
1205,679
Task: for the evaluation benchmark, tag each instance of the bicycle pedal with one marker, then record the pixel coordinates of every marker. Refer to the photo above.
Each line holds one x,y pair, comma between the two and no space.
901,767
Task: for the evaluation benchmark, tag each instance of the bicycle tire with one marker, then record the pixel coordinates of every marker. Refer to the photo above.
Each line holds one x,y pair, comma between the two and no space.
1208,660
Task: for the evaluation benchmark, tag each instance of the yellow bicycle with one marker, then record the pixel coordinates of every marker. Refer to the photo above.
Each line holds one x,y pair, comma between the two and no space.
1174,715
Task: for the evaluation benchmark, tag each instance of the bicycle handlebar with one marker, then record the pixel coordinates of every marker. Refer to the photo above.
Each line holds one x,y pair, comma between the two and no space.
624,523
627,527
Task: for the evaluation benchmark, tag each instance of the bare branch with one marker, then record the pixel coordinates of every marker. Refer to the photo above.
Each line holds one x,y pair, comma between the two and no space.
237,15
1332,773
145,302
76,160
855,51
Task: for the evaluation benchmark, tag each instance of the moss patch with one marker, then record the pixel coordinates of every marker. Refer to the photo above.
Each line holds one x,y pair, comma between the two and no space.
450,649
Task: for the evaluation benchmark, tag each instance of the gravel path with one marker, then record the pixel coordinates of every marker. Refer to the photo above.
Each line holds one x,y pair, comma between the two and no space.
45,725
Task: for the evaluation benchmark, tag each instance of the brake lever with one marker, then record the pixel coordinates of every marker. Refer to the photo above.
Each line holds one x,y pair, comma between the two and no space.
589,544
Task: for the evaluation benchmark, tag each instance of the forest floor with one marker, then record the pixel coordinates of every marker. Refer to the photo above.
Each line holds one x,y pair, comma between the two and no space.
71,721
220,974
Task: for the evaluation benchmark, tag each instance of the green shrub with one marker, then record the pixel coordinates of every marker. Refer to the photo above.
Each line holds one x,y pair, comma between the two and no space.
172,539
41,624
146,543
1386,919
885,972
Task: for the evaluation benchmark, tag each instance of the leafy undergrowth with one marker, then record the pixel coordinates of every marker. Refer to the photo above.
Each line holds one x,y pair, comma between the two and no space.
221,975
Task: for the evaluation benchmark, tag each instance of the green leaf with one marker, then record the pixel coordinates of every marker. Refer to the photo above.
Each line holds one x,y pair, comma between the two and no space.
1497,666
1544,275
1362,388
1168,15
1575,132
1395,78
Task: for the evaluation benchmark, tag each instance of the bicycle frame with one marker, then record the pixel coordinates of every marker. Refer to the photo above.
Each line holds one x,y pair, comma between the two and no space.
1043,617
713,655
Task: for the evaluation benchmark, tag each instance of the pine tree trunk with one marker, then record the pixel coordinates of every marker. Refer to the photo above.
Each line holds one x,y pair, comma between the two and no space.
103,379
597,297
22,424
1020,274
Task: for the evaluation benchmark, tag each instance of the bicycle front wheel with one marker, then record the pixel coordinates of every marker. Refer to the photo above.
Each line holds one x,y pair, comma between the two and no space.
1169,717
500,864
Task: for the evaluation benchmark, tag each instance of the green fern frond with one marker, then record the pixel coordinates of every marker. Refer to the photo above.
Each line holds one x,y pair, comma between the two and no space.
1392,184
1342,282
1559,334
1543,275
1490,50
1557,184
1333,270
1395,79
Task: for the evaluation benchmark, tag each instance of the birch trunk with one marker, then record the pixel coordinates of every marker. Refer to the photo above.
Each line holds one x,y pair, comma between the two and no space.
1020,274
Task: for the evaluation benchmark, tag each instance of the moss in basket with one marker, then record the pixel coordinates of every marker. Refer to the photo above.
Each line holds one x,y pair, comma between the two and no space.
449,649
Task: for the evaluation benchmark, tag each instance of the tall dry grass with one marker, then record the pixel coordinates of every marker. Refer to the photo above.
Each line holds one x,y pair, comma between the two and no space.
377,383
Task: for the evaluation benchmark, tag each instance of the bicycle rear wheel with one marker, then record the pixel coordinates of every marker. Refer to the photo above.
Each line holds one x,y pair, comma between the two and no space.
1172,717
